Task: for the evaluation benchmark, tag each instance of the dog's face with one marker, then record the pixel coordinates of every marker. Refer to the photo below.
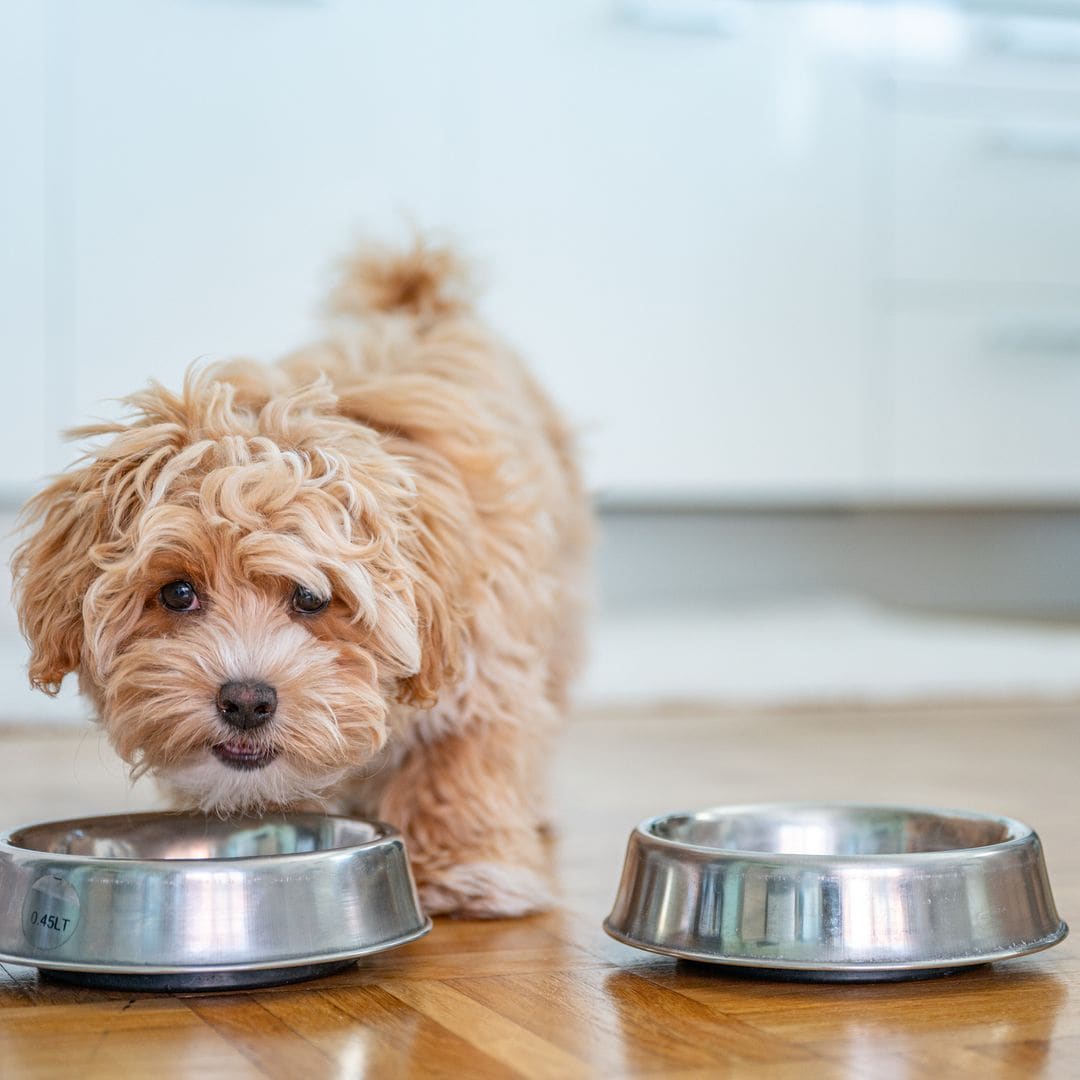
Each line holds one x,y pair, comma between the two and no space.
240,590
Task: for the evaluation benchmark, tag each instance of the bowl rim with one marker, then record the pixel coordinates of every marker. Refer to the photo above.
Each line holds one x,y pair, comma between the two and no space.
384,833
1019,834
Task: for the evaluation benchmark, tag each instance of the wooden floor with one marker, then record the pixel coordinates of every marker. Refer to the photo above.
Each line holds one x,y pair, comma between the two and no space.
551,996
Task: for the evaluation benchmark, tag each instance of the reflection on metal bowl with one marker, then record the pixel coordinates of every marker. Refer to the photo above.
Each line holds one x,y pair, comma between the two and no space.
186,901
836,892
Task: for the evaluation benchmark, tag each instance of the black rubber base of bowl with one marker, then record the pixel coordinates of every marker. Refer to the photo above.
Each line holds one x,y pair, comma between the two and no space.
740,971
201,981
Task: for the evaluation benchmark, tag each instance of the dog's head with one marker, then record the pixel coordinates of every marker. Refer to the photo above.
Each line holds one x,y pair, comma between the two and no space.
245,583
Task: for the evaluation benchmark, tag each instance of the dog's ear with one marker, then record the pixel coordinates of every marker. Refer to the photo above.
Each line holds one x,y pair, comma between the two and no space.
443,567
52,569
441,652
439,541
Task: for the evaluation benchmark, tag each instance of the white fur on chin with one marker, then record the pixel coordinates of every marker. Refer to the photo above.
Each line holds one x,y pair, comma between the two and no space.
213,787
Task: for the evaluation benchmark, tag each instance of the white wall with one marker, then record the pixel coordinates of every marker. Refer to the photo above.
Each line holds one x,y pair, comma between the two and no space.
27,433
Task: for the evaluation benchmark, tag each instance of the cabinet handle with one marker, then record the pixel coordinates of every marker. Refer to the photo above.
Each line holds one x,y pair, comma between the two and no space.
1038,44
1031,144
1034,339
706,18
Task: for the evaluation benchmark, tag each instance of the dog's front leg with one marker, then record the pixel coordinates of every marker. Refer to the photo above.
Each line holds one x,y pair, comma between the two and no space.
465,803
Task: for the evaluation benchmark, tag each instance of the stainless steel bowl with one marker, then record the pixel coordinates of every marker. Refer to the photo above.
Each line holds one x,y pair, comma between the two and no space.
836,892
185,901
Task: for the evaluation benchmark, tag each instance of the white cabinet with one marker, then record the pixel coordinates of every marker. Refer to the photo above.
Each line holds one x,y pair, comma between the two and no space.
979,275
750,247
665,219
986,196
672,221
984,401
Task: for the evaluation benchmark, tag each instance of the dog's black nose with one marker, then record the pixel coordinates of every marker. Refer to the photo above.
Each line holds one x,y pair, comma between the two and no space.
246,705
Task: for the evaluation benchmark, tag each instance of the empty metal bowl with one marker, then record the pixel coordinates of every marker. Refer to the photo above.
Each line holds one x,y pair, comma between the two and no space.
185,902
836,892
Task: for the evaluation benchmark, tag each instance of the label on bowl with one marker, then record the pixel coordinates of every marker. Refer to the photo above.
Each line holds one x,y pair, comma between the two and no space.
51,912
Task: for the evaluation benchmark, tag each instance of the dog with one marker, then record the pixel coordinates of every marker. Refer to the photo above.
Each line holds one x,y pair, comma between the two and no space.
354,579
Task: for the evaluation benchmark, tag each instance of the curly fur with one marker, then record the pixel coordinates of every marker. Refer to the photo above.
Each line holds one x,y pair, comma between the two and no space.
406,466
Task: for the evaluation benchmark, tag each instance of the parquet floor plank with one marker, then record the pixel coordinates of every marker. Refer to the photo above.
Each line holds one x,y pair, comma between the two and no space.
599,1015
271,1044
407,1041
489,1029
153,1038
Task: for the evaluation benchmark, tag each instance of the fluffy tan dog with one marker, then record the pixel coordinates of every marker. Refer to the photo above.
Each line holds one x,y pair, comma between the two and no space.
353,578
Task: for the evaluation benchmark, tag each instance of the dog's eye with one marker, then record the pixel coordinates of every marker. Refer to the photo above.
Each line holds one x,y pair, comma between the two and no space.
179,596
307,602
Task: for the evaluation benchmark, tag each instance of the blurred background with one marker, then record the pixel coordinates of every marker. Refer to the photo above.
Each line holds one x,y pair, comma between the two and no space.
804,274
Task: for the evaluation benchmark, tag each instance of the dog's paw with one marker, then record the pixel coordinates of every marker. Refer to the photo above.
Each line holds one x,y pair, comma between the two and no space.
485,890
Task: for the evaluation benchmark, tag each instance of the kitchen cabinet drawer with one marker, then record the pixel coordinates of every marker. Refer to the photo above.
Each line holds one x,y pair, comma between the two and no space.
984,402
944,46
985,198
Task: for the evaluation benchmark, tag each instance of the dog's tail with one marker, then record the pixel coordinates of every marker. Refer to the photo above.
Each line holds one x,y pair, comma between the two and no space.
426,280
